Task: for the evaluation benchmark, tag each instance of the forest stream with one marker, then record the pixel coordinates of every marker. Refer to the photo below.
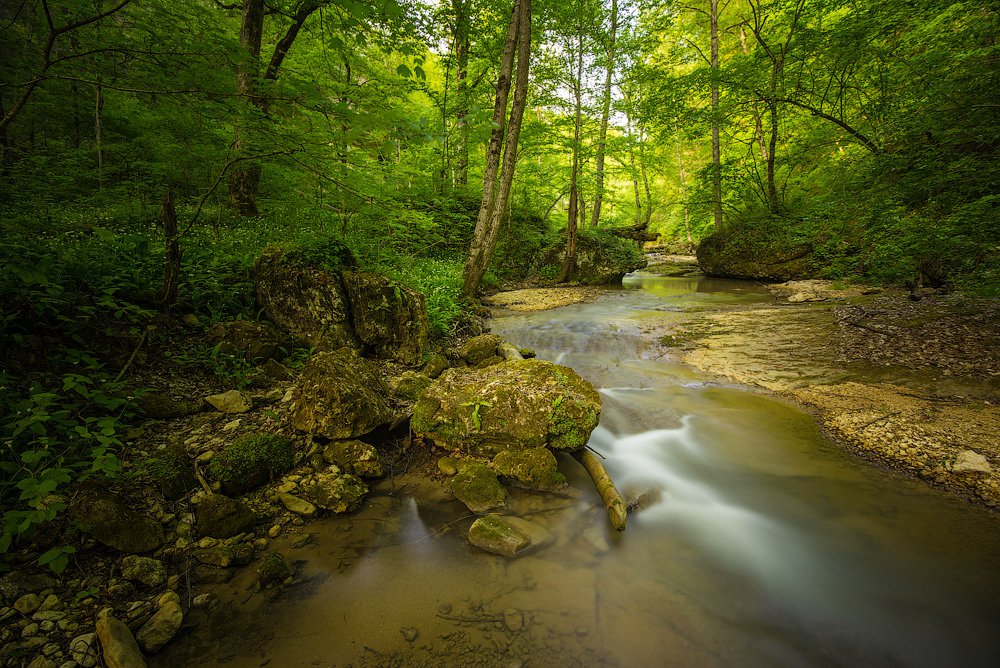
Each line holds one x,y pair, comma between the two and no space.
758,542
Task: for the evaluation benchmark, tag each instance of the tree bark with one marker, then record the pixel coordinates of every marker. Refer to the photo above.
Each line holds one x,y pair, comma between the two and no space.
605,115
496,191
716,148
613,500
569,259
462,30
683,180
172,255
245,178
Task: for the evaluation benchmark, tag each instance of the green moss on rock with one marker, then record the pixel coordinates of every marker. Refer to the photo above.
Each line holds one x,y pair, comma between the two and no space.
536,468
476,486
514,405
251,461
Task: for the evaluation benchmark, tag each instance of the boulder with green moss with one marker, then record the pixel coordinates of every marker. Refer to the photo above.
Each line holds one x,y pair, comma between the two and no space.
334,491
172,472
114,521
476,486
535,468
354,457
340,395
602,258
301,291
514,405
219,516
251,461
507,536
389,319
479,348
409,385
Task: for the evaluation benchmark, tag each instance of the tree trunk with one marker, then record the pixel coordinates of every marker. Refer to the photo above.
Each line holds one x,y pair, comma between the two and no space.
496,191
605,114
569,260
172,255
716,149
645,178
245,177
99,132
680,172
462,30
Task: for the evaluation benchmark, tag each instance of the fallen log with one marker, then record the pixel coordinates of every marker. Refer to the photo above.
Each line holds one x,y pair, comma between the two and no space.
613,500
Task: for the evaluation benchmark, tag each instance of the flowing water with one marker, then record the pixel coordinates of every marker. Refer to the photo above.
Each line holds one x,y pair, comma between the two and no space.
770,546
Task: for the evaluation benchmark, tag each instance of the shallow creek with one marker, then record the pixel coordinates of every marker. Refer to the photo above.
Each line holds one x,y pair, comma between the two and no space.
770,547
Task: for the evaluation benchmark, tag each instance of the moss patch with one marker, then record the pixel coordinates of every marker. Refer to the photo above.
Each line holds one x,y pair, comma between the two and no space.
250,461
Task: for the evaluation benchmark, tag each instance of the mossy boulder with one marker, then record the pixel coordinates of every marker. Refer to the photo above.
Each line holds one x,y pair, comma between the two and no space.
114,522
251,461
219,516
507,536
302,293
479,348
513,405
272,569
760,254
476,486
409,385
172,472
249,340
146,571
601,258
389,319
334,491
339,395
354,457
535,468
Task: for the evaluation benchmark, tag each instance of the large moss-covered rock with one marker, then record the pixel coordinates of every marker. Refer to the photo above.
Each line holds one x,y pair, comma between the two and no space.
354,457
390,320
514,405
756,255
535,468
114,522
339,395
172,472
252,341
479,348
221,517
250,461
477,487
601,258
302,292
334,491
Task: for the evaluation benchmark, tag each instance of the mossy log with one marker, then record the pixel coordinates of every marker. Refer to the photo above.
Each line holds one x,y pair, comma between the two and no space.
613,500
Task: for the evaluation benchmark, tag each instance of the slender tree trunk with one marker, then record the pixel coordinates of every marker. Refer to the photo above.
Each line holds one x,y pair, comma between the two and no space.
683,180
716,148
757,120
99,132
245,177
569,260
172,255
496,192
605,115
445,149
772,188
634,171
462,29
645,178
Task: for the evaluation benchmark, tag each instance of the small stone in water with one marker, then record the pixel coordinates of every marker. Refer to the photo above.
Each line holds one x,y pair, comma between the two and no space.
409,633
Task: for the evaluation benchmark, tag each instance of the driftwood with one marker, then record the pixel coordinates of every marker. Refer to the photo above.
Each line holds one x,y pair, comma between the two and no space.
613,500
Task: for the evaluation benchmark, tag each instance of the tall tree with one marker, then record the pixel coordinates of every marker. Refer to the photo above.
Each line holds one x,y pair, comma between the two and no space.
605,115
496,191
569,258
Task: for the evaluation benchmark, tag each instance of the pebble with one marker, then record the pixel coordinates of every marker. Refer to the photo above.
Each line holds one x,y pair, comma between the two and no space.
409,633
29,630
513,620
274,531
